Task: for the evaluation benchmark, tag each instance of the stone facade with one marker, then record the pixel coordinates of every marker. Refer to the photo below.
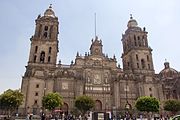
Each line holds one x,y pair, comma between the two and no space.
94,74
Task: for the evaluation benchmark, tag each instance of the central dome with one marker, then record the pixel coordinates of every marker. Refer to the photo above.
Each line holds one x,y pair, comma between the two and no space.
168,72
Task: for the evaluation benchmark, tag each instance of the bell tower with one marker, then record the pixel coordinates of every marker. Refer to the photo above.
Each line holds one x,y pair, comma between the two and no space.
137,55
44,42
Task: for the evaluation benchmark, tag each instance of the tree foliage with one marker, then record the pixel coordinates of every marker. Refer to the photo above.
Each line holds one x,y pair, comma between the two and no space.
147,104
84,103
52,100
172,105
11,99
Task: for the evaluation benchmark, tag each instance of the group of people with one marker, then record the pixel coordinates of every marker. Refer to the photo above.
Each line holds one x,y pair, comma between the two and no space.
29,116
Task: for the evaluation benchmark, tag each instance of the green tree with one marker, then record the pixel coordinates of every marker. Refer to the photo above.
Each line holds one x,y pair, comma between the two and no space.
52,100
84,104
147,104
11,100
172,106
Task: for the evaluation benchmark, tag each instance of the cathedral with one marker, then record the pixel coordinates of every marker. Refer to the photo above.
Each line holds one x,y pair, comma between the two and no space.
94,74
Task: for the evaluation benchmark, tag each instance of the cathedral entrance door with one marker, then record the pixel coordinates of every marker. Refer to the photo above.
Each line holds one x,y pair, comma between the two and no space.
98,105
65,108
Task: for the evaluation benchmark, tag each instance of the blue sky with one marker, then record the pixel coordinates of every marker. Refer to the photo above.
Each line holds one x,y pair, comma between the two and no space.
17,22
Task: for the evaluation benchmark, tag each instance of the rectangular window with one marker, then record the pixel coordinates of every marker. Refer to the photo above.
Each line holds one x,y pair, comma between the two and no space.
150,89
37,85
35,101
36,94
36,49
147,58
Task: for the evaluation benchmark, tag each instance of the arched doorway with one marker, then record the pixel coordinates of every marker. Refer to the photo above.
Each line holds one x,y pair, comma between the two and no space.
65,108
98,105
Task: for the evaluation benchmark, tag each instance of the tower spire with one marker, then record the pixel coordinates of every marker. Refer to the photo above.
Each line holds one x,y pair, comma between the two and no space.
131,17
50,6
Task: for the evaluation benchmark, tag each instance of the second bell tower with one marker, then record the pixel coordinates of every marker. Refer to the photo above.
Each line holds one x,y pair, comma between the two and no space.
44,43
137,55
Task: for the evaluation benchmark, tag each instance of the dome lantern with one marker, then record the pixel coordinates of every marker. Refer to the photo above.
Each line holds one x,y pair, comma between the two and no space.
132,22
49,12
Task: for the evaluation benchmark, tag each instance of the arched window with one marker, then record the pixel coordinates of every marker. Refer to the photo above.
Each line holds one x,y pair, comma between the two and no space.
142,63
128,64
139,42
137,65
36,48
174,94
134,37
50,31
50,50
146,44
138,38
35,58
46,28
39,32
45,34
149,67
45,31
98,105
137,58
42,57
147,57
135,43
49,59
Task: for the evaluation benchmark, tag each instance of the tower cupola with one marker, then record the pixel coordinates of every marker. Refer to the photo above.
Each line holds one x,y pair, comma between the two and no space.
132,22
49,12
44,42
137,56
